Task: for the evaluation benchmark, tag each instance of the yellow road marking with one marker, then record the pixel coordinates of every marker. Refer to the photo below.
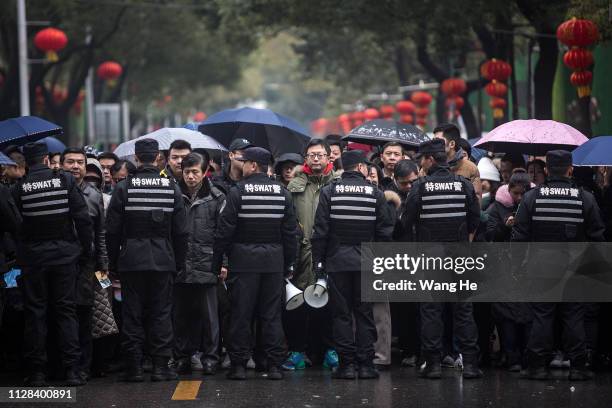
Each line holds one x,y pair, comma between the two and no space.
186,390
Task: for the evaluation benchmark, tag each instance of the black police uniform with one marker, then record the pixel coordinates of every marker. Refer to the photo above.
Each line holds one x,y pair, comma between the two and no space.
223,181
10,220
443,208
350,211
53,208
257,232
558,211
146,238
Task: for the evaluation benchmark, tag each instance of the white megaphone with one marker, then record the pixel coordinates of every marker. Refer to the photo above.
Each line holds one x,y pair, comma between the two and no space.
316,295
295,297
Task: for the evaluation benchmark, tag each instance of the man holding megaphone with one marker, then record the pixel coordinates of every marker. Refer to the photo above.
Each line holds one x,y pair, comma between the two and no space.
350,211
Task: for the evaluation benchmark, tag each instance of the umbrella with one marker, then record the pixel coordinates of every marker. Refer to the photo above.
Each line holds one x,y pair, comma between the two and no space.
477,153
262,127
595,152
191,126
26,129
381,131
5,160
534,137
54,145
165,137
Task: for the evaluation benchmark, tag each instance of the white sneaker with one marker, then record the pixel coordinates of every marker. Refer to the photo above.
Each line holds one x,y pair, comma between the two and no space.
251,364
559,361
196,363
459,362
226,362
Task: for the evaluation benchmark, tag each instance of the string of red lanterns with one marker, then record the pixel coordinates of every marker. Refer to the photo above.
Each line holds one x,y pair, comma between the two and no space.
422,100
578,34
496,71
453,88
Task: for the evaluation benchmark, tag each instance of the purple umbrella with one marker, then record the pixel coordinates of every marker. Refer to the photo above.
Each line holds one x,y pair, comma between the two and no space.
534,137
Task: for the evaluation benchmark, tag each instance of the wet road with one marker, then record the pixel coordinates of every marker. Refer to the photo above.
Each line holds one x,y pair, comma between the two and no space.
314,388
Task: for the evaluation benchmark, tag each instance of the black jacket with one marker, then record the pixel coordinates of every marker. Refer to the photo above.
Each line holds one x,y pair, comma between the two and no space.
254,257
497,231
145,254
325,249
59,251
594,227
202,216
99,262
10,219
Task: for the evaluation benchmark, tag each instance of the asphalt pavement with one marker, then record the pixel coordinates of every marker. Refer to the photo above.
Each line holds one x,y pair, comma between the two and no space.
398,387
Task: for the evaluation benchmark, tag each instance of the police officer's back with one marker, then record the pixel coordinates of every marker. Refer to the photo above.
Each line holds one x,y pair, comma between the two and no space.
256,230
146,239
558,211
350,211
443,207
52,208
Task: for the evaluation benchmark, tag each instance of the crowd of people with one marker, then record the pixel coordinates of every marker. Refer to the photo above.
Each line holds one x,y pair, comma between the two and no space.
176,261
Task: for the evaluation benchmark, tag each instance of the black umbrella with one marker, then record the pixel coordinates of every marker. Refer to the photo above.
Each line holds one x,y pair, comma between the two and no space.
381,131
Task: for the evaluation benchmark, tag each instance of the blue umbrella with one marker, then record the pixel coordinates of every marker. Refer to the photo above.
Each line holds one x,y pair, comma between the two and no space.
192,126
54,145
477,153
262,127
26,129
594,152
5,160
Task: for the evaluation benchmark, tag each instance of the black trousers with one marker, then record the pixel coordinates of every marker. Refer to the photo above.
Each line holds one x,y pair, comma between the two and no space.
407,327
85,320
146,314
52,286
196,321
345,303
258,294
541,340
464,328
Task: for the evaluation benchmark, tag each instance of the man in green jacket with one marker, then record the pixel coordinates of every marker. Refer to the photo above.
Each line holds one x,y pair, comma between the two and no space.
316,172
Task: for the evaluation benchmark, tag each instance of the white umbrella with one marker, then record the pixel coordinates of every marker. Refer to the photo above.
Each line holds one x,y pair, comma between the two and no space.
165,137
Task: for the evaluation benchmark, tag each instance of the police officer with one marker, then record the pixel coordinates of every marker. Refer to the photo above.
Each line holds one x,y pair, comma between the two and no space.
53,208
232,171
257,232
442,213
350,211
558,211
146,240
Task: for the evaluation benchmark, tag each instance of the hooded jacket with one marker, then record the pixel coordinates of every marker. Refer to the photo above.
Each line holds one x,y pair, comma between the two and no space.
498,212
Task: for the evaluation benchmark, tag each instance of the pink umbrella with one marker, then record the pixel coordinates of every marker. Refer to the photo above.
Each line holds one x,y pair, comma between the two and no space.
533,136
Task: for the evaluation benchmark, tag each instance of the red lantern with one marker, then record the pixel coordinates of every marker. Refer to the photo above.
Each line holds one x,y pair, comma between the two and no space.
357,118
319,126
421,98
404,107
582,80
59,95
386,111
199,116
50,40
495,69
421,121
497,89
109,71
406,118
371,114
345,122
498,105
453,87
420,112
578,59
455,100
578,33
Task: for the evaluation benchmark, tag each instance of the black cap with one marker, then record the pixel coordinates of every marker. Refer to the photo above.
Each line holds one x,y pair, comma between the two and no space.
33,150
431,147
258,155
287,158
353,157
558,158
239,144
144,146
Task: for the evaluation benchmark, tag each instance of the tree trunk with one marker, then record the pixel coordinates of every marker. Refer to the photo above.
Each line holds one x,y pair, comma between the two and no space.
544,77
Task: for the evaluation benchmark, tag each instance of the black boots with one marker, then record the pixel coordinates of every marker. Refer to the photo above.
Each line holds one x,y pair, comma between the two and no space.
368,372
470,367
345,372
183,366
73,378
133,372
237,372
275,373
432,369
36,379
161,371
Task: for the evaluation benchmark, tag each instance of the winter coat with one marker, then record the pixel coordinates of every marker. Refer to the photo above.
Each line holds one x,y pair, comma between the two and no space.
202,215
305,189
498,213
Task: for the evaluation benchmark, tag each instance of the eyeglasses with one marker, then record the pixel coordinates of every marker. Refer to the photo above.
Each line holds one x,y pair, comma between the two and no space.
316,155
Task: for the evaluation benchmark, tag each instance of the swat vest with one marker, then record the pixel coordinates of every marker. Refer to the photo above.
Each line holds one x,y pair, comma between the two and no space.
44,207
261,212
149,207
443,209
353,211
558,214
